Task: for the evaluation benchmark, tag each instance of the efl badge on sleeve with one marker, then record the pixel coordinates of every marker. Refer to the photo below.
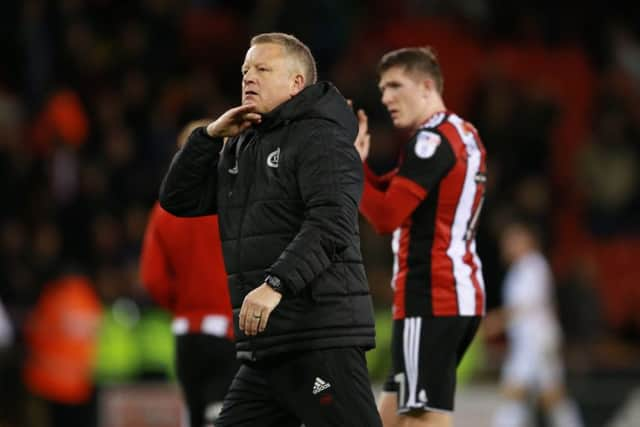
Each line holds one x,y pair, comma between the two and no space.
426,144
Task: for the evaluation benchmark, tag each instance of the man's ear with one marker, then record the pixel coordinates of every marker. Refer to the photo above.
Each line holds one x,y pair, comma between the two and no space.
429,85
297,85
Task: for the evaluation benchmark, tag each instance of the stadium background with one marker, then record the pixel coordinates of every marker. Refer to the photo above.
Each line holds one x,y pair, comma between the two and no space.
93,94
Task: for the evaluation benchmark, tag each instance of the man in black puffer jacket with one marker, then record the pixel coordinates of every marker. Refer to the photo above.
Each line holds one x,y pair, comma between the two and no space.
284,177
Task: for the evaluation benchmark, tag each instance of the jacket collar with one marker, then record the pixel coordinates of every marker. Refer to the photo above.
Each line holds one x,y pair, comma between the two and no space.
293,108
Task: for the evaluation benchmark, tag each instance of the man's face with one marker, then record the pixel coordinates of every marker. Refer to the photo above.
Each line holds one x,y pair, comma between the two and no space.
269,77
514,243
405,96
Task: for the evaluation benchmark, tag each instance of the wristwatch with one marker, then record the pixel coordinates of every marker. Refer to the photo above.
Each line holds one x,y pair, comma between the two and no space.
275,283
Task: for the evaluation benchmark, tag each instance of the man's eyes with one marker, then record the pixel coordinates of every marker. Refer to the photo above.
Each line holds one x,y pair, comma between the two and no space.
261,69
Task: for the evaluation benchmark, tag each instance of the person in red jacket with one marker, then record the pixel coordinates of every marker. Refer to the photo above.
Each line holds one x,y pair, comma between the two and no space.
183,271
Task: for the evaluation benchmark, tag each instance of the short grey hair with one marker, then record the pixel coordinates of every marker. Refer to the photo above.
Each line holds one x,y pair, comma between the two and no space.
295,48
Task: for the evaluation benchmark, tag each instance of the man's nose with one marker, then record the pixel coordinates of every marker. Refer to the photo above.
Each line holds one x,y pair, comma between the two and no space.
385,98
249,77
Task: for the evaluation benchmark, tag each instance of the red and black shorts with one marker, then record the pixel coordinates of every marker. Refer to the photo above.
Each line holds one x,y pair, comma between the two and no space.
425,354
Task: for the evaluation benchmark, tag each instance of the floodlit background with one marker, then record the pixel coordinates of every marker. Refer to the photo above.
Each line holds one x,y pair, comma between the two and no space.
94,92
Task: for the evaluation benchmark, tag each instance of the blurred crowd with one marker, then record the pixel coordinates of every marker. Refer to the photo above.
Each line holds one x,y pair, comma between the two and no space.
93,94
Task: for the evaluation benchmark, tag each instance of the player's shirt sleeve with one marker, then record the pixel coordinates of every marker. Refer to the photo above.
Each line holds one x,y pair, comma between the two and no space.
387,209
428,158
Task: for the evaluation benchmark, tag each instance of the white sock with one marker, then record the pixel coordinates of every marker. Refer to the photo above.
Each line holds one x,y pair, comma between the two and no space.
512,413
565,414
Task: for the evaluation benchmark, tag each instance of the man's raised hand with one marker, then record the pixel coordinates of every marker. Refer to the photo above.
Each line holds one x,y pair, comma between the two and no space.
234,121
363,140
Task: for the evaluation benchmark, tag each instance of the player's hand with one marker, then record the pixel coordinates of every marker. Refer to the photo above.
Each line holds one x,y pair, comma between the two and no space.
234,121
256,309
493,324
363,140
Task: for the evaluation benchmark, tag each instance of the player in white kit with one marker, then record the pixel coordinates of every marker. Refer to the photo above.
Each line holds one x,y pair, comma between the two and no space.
533,363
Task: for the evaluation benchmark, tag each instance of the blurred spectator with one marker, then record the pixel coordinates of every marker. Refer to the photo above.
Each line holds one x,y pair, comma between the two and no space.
582,323
493,110
135,341
517,123
20,287
107,238
45,256
533,363
60,336
626,51
608,167
15,164
63,120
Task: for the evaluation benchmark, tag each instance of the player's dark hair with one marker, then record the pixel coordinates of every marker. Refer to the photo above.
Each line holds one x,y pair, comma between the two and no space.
414,59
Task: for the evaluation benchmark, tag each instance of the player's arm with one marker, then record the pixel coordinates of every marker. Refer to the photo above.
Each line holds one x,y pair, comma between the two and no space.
380,182
429,157
155,271
387,210
362,144
190,186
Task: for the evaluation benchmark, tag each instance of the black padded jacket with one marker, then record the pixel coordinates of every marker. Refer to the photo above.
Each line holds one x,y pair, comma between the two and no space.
287,193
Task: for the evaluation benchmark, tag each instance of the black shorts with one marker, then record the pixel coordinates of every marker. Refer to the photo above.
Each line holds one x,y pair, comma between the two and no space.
205,365
318,388
425,354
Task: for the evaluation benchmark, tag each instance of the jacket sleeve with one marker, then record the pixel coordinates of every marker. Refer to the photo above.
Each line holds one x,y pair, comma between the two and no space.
330,179
189,187
155,269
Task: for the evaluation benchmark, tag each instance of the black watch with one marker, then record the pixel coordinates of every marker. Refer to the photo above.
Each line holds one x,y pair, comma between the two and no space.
275,283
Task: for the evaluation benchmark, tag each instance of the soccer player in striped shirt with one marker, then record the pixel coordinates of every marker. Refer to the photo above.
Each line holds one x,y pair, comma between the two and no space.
431,203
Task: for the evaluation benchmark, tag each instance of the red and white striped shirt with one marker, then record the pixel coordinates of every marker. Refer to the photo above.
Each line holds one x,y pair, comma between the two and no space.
432,204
